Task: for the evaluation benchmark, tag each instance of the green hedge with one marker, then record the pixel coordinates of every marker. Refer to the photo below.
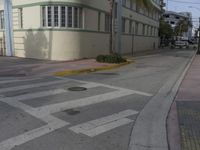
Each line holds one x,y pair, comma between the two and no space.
113,58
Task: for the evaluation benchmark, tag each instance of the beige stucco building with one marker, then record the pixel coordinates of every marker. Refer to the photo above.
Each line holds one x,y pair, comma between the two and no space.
74,29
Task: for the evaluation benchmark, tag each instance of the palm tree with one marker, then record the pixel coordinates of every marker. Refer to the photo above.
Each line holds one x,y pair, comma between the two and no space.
182,26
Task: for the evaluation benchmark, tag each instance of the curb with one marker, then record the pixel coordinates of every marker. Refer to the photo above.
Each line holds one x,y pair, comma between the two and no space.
175,89
149,131
88,70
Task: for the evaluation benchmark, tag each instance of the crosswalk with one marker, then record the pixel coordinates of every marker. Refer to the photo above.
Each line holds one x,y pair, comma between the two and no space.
44,113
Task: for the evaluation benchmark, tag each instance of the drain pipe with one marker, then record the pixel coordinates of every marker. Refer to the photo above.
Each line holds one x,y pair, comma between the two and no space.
8,27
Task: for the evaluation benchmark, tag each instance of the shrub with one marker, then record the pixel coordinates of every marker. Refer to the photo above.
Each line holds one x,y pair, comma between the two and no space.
194,47
113,58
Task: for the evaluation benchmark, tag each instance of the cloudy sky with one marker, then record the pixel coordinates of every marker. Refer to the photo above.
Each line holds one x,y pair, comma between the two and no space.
186,5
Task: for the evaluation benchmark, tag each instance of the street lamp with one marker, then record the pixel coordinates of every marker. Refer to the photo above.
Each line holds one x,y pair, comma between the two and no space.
8,27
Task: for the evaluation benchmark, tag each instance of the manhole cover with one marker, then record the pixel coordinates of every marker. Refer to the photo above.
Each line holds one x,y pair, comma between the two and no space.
72,112
77,89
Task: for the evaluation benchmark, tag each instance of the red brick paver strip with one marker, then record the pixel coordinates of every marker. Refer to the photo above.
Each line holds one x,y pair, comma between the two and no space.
182,132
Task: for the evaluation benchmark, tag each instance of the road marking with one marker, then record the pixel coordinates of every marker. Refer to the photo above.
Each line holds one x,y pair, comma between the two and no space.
35,95
43,113
107,127
104,120
30,135
36,85
104,124
110,86
53,108
18,80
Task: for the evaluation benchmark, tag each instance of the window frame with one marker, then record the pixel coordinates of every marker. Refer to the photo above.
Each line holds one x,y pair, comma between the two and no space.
50,22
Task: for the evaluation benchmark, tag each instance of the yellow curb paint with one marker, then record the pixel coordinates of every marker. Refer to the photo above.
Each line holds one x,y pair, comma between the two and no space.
88,70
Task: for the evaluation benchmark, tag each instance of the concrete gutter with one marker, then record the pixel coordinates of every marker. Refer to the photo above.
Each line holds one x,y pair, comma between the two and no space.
149,131
88,70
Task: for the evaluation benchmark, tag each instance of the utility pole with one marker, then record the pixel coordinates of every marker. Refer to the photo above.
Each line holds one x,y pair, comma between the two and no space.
119,26
198,52
8,27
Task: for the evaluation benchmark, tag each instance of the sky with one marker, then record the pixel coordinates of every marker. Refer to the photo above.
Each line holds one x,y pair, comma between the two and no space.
186,5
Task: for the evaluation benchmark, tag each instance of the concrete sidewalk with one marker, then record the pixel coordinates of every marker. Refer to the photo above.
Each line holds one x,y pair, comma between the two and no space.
184,118
13,66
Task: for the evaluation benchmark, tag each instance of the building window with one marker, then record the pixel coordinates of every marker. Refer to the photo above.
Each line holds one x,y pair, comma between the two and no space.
62,16
143,29
136,28
123,25
20,15
99,21
49,16
130,26
124,2
1,19
80,18
56,19
69,16
107,23
44,17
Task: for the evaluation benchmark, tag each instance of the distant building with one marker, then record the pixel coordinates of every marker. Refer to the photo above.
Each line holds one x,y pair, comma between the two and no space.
75,29
174,17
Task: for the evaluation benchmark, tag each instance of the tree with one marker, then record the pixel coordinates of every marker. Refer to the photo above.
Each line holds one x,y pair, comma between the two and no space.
182,26
165,30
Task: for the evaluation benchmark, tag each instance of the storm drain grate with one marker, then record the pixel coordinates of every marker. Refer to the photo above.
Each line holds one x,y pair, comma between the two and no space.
189,123
77,89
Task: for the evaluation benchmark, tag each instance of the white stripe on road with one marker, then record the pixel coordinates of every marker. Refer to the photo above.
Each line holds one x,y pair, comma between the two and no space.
43,94
102,121
110,86
17,80
36,85
106,127
30,135
53,108
35,95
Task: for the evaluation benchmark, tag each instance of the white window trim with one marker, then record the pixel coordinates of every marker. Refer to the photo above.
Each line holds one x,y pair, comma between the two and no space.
52,13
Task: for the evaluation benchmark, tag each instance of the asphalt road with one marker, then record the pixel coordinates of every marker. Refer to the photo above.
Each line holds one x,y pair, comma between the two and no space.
40,113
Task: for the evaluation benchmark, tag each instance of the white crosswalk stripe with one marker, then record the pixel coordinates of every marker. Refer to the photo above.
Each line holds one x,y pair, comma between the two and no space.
53,108
17,80
29,86
44,113
99,126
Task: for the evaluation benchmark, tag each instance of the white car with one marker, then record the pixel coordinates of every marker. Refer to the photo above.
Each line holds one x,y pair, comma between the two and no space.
181,44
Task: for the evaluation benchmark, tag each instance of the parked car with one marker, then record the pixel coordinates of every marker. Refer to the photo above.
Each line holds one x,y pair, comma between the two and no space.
180,43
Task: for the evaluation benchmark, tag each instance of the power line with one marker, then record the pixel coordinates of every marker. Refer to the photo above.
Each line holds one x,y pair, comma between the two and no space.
176,1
